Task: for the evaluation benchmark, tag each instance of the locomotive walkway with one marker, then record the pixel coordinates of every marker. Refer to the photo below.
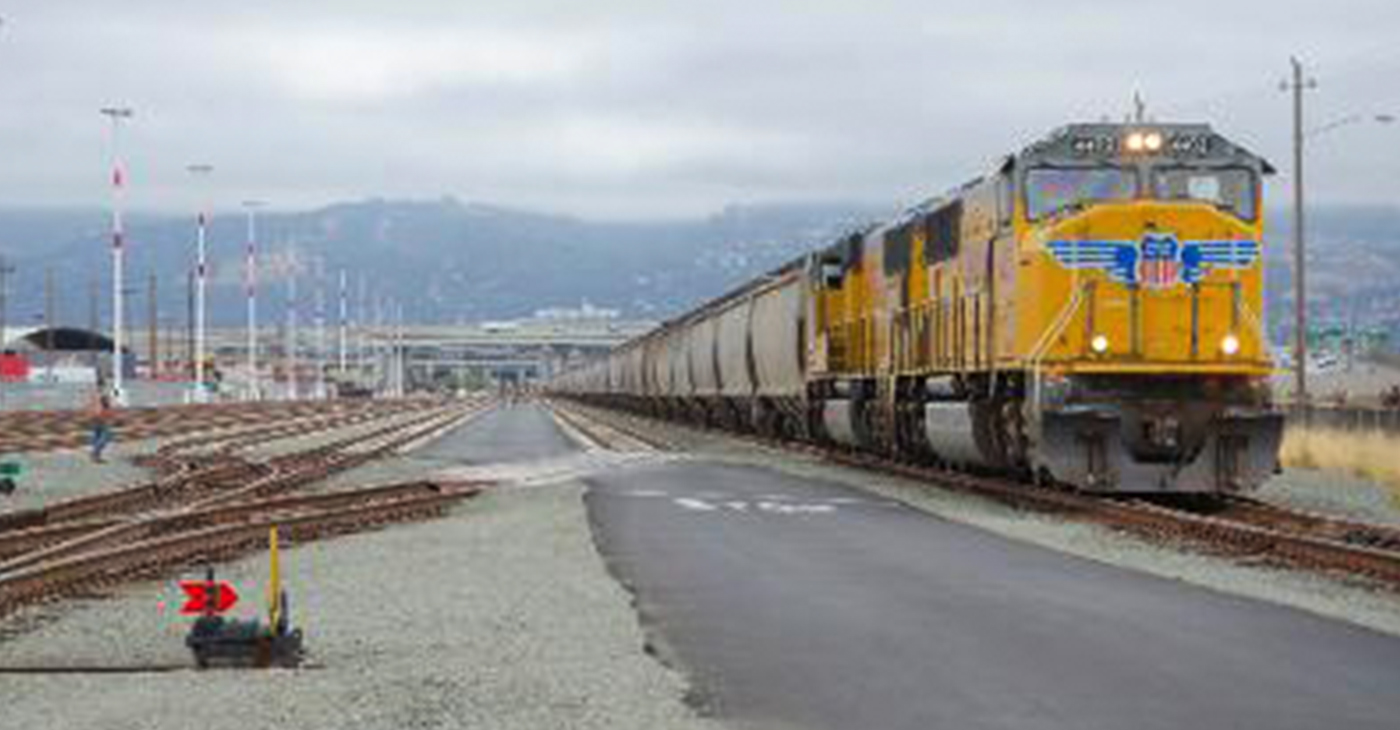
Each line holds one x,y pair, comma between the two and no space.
796,603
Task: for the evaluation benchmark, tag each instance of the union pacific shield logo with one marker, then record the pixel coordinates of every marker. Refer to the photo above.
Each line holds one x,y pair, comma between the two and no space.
1158,260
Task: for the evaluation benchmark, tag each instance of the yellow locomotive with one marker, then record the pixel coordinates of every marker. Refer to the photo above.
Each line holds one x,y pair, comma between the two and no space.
1088,313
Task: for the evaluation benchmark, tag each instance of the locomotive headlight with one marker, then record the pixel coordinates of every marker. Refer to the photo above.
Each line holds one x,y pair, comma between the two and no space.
1099,344
1135,142
1152,141
1230,345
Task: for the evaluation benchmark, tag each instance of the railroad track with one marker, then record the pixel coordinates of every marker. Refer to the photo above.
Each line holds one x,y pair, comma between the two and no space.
213,511
603,435
36,431
172,541
181,476
175,456
1241,526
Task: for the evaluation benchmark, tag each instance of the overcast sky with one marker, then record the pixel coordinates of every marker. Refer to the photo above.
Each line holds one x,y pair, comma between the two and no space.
650,109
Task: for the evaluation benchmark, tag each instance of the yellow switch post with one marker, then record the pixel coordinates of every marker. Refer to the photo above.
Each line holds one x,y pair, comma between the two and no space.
274,583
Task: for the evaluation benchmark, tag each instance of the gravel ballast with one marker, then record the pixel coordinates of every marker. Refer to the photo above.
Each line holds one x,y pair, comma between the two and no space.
1334,494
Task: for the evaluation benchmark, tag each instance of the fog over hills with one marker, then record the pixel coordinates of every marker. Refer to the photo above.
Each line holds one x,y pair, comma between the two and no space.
449,261
445,260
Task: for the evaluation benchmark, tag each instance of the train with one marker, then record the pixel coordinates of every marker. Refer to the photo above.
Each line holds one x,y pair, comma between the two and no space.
1088,313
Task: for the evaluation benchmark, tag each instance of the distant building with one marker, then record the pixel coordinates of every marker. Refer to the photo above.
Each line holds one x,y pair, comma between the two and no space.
58,355
584,312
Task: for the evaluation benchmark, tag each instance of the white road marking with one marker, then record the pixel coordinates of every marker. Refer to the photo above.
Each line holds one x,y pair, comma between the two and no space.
793,509
747,507
544,472
770,503
695,504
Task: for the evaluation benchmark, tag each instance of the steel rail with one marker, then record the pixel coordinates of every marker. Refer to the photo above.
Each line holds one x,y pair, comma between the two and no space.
220,540
284,473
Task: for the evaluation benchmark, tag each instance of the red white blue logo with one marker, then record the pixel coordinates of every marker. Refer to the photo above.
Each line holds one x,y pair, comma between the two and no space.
1158,260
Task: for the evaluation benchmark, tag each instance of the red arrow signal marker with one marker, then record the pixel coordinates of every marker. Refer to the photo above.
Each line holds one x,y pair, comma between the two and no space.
198,602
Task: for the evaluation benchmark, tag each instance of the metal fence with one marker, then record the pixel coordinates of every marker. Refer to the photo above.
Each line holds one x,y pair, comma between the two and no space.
1346,418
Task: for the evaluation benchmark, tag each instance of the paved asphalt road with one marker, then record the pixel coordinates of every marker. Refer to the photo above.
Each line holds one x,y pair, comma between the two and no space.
504,434
799,604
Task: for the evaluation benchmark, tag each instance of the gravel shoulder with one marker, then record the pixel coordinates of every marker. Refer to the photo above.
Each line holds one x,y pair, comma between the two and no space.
54,475
506,618
500,615
1330,596
1327,492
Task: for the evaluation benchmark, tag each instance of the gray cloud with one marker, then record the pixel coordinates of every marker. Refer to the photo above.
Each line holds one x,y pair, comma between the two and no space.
652,109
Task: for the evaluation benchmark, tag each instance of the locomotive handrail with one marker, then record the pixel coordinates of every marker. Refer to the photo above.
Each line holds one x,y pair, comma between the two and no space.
1043,345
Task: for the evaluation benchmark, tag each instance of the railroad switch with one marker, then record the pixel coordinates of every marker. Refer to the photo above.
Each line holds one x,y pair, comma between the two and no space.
216,640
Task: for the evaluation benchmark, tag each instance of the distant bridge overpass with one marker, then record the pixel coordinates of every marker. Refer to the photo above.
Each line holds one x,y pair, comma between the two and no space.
524,350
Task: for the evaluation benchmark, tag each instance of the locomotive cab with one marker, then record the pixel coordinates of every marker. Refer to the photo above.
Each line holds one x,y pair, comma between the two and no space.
1142,278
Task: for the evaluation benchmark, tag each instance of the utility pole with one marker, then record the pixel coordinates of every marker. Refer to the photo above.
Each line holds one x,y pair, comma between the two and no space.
117,115
170,339
189,320
292,332
6,268
152,326
200,170
1298,85
361,317
379,359
48,321
393,324
320,358
400,355
344,325
94,321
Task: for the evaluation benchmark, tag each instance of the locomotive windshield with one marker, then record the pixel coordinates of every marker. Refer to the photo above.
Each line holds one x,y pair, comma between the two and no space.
1230,188
1053,189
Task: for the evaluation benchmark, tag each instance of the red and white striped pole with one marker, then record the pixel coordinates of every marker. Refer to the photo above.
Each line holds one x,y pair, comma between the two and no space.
201,280
117,115
251,282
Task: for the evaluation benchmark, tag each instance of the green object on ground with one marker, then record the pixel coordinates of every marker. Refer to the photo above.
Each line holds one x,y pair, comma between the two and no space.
11,468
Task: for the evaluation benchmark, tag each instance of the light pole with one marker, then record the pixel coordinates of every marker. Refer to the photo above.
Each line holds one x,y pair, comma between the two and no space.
400,354
291,329
117,115
320,300
361,320
251,286
344,324
5,270
200,170
1298,84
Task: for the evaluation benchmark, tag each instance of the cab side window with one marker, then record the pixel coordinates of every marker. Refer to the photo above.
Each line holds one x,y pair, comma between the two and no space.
943,229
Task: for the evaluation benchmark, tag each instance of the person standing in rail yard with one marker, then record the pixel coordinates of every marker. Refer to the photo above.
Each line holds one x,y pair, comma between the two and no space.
101,412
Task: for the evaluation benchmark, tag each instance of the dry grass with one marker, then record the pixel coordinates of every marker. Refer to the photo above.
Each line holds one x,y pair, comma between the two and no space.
1370,455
